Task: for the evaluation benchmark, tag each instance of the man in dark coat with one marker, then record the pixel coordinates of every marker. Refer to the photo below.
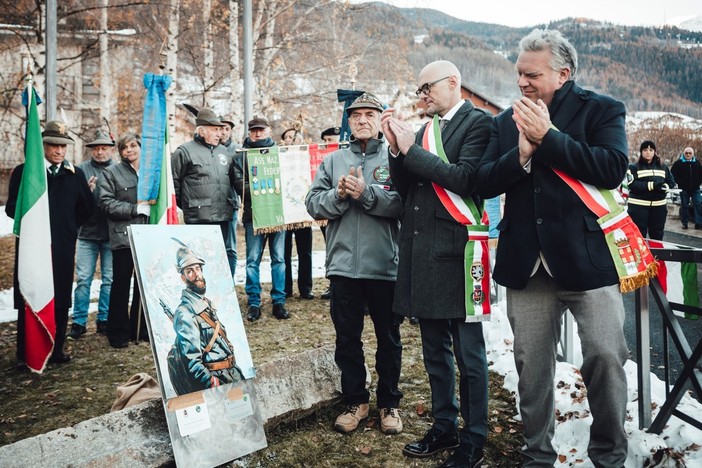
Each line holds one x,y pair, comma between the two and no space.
552,254
431,277
687,172
70,205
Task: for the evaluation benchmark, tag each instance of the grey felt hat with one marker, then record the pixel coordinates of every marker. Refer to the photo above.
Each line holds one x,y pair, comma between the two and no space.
56,133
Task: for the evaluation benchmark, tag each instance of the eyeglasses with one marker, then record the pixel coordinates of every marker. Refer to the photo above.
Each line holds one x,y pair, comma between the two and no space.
426,87
688,152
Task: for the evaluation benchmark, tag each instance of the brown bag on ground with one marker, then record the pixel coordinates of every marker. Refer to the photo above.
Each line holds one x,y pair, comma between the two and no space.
138,389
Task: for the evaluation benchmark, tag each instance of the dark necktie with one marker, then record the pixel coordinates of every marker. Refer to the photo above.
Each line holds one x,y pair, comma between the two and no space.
442,124
53,169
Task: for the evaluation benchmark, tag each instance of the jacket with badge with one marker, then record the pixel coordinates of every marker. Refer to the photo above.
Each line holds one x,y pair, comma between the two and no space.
361,234
194,334
431,276
95,228
117,197
649,182
201,178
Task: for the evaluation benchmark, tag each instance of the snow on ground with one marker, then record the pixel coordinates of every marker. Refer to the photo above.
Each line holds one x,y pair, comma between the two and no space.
572,431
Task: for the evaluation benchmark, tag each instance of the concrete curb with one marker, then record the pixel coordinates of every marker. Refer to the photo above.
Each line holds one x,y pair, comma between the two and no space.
287,388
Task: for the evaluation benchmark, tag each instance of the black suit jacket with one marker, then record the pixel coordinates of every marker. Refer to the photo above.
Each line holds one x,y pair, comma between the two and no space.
430,277
543,214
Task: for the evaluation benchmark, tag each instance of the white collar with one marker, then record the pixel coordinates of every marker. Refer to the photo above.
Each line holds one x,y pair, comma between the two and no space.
449,115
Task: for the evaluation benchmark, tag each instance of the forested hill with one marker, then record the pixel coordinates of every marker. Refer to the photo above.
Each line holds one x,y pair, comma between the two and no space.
647,68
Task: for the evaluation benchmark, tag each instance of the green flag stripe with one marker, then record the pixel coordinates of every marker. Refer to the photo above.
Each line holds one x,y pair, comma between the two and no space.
33,183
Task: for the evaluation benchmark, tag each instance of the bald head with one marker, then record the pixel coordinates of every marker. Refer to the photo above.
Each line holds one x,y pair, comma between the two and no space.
439,86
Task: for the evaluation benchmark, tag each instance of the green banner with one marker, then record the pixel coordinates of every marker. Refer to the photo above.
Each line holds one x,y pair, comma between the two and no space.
264,183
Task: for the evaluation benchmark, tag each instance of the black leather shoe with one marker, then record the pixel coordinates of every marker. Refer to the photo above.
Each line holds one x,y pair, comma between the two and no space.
326,295
433,441
75,332
254,313
280,312
464,457
59,358
101,326
307,295
119,344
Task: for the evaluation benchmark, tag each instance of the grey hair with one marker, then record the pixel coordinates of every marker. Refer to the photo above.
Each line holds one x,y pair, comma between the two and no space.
563,54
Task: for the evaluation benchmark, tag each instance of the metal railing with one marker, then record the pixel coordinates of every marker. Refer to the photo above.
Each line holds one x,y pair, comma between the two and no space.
691,374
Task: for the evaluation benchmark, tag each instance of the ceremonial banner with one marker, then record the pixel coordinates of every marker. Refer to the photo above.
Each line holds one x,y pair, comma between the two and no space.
279,179
34,272
153,133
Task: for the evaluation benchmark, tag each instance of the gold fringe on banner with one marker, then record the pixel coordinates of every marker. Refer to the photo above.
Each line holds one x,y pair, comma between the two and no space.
634,282
290,226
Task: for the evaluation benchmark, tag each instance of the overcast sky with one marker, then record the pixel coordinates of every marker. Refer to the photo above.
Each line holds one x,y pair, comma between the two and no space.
521,13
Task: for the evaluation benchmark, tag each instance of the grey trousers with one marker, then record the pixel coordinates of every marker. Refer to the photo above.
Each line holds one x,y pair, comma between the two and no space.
535,314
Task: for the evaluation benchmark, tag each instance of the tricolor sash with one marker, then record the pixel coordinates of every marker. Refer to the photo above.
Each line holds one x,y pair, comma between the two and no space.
633,260
476,256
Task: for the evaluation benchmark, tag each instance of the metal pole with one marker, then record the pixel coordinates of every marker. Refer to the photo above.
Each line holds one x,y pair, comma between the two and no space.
51,67
105,74
248,62
643,356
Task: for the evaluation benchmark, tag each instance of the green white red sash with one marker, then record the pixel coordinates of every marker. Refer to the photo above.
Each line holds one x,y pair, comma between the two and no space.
477,252
632,258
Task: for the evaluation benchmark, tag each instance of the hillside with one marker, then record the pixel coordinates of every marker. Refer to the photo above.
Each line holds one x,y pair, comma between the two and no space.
304,50
646,68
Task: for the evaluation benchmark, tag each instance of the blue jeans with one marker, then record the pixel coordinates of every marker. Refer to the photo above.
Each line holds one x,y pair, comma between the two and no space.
230,242
254,253
685,198
87,252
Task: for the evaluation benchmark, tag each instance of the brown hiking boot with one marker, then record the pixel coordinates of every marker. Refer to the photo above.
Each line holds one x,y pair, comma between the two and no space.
390,422
348,420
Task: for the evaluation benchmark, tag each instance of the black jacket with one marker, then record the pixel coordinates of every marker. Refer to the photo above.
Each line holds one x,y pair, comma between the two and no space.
688,174
431,277
543,214
70,205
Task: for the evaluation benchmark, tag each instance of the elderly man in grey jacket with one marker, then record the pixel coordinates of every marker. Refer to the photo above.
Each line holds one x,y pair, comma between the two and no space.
201,175
352,189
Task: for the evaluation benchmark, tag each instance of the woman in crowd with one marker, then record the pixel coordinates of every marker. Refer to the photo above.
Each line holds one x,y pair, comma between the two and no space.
117,197
649,182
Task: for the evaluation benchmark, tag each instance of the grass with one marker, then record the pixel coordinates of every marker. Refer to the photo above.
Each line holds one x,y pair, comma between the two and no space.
85,388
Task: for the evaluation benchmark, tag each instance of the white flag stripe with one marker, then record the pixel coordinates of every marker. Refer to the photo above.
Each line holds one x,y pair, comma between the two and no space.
34,271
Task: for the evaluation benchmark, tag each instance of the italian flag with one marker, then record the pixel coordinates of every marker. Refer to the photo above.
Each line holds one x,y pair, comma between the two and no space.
165,210
34,272
678,279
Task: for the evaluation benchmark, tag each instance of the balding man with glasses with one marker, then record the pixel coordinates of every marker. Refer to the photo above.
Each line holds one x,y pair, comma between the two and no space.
431,279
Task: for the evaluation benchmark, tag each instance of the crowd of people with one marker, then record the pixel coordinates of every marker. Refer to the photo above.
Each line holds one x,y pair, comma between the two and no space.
402,209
